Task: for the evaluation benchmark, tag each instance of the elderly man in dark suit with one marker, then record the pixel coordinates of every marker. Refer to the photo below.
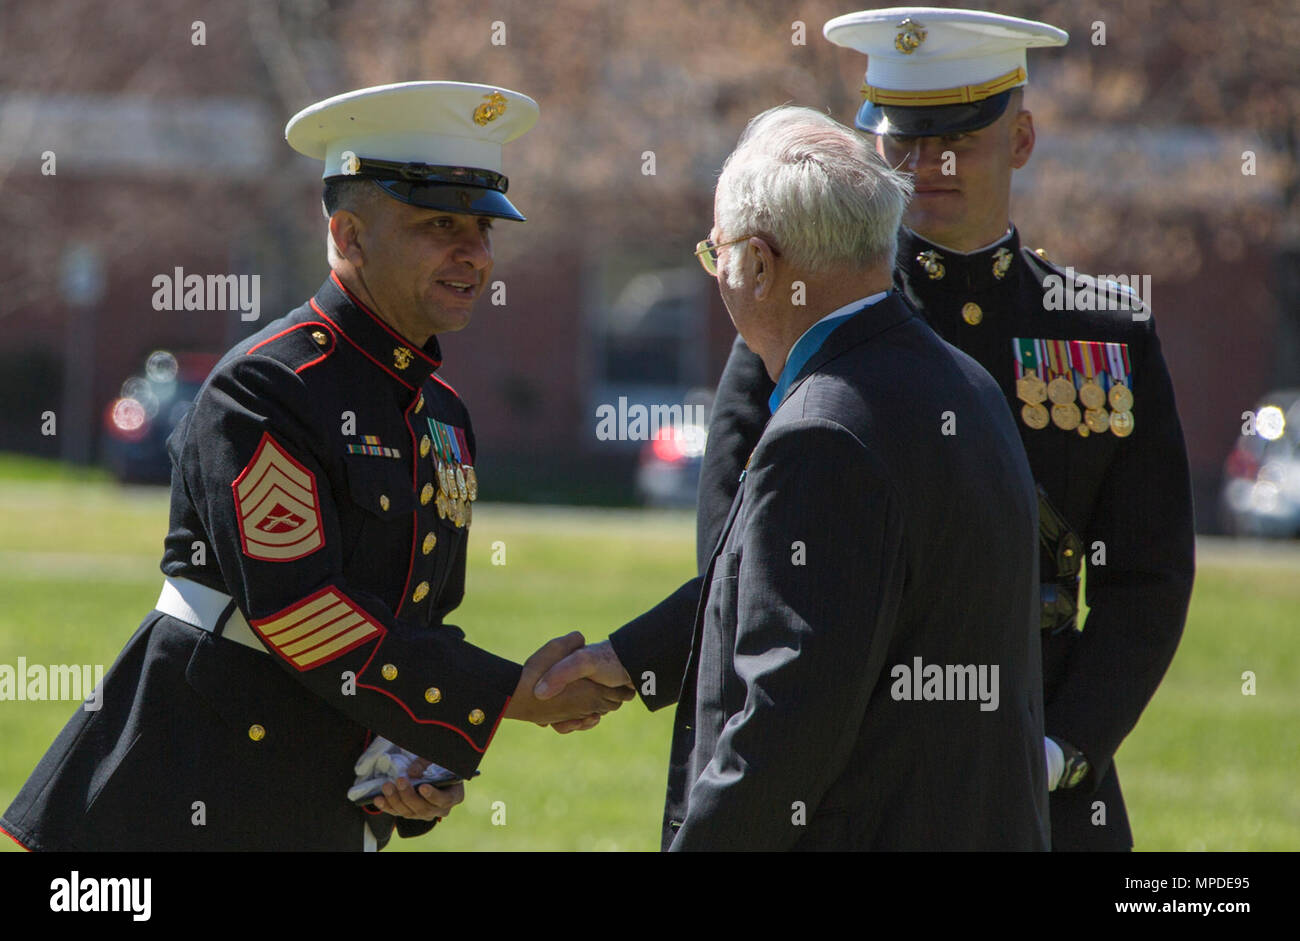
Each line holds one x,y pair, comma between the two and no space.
863,667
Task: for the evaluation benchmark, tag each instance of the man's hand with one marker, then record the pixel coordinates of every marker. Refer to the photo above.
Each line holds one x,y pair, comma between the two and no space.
596,662
423,803
578,704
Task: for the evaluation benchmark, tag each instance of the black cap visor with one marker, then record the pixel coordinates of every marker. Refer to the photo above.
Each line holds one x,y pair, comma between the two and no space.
932,120
470,200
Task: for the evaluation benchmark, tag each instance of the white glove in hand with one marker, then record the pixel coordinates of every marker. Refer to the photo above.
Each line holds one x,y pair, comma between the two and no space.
1055,763
384,761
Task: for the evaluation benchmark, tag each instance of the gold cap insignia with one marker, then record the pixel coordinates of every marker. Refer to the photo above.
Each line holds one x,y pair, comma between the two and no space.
911,37
491,109
402,357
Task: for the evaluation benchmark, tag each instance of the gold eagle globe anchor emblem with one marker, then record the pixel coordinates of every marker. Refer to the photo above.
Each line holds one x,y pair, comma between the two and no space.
911,37
491,109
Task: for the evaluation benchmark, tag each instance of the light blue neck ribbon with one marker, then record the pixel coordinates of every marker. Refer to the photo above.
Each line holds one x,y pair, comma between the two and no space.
809,344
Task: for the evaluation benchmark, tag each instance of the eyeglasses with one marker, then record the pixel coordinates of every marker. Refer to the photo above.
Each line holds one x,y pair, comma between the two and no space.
707,252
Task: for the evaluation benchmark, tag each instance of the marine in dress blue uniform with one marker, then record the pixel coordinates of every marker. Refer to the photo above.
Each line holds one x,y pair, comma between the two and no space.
322,490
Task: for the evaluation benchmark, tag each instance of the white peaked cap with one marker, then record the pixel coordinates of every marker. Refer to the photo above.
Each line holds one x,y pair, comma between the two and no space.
440,123
970,53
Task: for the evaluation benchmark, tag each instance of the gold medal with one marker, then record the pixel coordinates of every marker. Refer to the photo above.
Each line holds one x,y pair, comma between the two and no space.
1091,394
441,503
445,481
469,513
1097,419
471,482
458,513
1061,391
1034,415
1032,390
1065,415
1121,422
1121,396
461,491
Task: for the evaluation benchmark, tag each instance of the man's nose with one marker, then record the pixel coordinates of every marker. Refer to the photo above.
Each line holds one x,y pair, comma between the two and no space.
475,246
923,152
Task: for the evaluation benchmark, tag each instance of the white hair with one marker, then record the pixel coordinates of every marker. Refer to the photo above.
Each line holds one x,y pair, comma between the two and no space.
815,188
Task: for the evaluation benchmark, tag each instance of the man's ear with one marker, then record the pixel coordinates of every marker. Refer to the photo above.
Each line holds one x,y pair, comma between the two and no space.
1022,139
762,261
345,231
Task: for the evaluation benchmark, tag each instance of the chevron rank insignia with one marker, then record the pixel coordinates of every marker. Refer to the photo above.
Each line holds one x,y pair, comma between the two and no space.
317,629
277,506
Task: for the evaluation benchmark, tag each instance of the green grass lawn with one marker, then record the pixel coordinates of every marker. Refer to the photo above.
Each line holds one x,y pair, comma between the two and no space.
1207,768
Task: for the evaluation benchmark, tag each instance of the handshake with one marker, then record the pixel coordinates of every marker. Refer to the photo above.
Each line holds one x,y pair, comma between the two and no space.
569,686
565,685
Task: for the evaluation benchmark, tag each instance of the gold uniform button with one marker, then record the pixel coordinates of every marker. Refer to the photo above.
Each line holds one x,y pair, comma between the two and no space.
420,593
389,671
476,717
256,732
426,494
433,694
320,337
429,542
425,445
971,313
383,502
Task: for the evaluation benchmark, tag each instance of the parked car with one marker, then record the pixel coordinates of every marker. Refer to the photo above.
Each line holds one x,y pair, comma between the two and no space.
1261,489
138,422
669,470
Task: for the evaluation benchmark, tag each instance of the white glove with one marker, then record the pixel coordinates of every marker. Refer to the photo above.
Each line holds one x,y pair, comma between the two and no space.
1055,763
384,761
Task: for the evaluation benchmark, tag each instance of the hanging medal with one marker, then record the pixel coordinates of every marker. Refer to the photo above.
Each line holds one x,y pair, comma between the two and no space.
1121,398
1030,389
1065,414
1091,394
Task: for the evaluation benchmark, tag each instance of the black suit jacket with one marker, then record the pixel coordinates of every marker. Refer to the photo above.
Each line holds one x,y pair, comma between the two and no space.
836,570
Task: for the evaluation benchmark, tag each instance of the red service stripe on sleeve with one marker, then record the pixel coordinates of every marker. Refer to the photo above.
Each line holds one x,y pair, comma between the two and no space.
319,628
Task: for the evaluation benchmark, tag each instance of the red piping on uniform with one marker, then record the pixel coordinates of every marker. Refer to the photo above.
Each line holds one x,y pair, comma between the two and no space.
436,378
405,708
360,349
415,514
15,839
417,719
387,329
306,323
497,724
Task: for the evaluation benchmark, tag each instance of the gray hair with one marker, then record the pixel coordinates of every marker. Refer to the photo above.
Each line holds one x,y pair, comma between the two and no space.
815,187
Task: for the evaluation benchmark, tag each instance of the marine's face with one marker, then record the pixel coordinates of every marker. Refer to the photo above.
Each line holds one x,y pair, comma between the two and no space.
426,267
969,206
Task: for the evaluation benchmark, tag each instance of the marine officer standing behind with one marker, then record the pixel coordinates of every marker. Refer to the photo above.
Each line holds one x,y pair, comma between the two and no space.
322,488
1088,386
